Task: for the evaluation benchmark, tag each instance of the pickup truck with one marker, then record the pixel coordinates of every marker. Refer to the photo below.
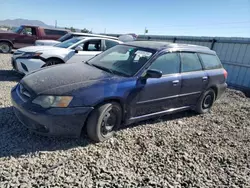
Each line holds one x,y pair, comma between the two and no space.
26,35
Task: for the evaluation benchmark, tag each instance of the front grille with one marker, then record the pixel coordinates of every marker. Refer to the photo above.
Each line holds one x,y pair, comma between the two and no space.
23,93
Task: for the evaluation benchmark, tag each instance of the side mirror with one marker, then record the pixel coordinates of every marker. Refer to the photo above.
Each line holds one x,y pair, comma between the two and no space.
152,73
79,48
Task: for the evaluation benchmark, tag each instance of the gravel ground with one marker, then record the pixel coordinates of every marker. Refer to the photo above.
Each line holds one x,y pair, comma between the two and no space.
181,150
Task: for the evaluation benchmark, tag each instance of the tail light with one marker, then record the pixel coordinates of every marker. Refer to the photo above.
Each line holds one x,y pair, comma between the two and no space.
225,73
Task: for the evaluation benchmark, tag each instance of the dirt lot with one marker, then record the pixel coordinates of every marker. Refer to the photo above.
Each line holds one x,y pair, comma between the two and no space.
182,150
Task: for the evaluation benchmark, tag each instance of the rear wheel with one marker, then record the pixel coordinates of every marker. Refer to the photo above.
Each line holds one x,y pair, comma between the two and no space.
104,121
53,61
5,47
205,102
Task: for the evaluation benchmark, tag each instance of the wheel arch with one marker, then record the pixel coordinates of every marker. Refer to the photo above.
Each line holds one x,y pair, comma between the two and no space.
112,99
58,58
8,41
215,88
117,100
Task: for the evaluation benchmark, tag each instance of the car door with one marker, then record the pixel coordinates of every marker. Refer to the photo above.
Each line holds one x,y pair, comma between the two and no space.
27,37
88,49
160,94
194,79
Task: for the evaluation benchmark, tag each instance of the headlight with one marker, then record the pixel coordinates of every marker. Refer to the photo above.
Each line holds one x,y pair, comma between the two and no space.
52,101
31,54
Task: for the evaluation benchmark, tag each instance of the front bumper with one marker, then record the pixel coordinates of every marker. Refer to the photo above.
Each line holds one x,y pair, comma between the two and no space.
65,122
26,65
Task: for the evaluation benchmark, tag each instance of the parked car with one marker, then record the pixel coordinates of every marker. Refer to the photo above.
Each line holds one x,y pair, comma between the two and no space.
73,50
26,35
129,82
69,36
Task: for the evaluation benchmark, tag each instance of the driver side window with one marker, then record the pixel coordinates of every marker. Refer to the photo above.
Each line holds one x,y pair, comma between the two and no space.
91,45
168,63
28,31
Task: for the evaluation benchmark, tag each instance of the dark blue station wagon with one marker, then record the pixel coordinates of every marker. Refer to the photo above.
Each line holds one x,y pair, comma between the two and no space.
129,82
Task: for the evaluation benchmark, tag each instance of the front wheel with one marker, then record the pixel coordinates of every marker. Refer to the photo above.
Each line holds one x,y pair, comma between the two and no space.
205,102
5,47
104,121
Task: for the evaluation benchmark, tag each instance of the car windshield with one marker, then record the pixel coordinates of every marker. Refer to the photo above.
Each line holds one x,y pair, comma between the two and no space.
18,29
65,37
122,60
68,43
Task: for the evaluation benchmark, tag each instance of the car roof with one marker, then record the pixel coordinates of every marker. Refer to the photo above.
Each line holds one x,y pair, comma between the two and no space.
100,38
94,35
157,45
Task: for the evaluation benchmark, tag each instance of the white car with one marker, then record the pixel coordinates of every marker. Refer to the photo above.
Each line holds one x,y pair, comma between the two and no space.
77,49
67,37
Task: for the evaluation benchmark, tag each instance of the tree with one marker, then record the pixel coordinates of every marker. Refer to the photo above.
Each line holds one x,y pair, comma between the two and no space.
85,31
72,29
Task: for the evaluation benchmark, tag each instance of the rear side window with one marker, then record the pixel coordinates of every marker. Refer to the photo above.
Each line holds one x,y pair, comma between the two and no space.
210,61
190,62
54,32
168,63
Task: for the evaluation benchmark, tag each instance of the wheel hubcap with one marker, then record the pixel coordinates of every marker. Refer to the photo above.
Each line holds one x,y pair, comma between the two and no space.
109,122
4,48
207,101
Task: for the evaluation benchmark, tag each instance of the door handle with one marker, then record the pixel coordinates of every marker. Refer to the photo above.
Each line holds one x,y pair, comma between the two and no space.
175,82
204,78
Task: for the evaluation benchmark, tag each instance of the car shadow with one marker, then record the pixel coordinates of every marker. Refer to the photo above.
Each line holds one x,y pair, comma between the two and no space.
9,75
17,140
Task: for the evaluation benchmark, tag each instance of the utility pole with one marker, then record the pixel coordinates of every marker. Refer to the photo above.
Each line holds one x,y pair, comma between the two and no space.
105,31
145,31
55,23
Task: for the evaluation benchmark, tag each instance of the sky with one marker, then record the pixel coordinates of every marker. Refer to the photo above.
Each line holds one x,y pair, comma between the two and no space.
160,17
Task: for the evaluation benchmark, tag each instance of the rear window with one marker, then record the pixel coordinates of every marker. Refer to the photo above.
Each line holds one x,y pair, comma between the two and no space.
54,32
210,61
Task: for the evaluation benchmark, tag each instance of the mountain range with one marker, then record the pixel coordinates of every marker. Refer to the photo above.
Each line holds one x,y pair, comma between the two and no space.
18,22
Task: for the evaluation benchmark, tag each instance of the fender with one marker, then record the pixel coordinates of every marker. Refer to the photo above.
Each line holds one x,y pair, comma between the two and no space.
7,40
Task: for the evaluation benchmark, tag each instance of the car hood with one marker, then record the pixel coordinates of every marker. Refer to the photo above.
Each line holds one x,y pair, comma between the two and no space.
62,79
47,42
39,48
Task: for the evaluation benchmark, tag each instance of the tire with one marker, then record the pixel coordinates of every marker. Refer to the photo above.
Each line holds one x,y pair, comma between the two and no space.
205,102
53,61
5,47
104,121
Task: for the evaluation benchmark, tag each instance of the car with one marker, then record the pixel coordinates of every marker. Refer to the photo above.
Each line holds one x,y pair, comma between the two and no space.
26,35
26,60
127,83
69,36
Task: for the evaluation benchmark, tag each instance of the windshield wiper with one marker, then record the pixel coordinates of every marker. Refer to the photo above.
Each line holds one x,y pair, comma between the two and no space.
103,68
87,62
